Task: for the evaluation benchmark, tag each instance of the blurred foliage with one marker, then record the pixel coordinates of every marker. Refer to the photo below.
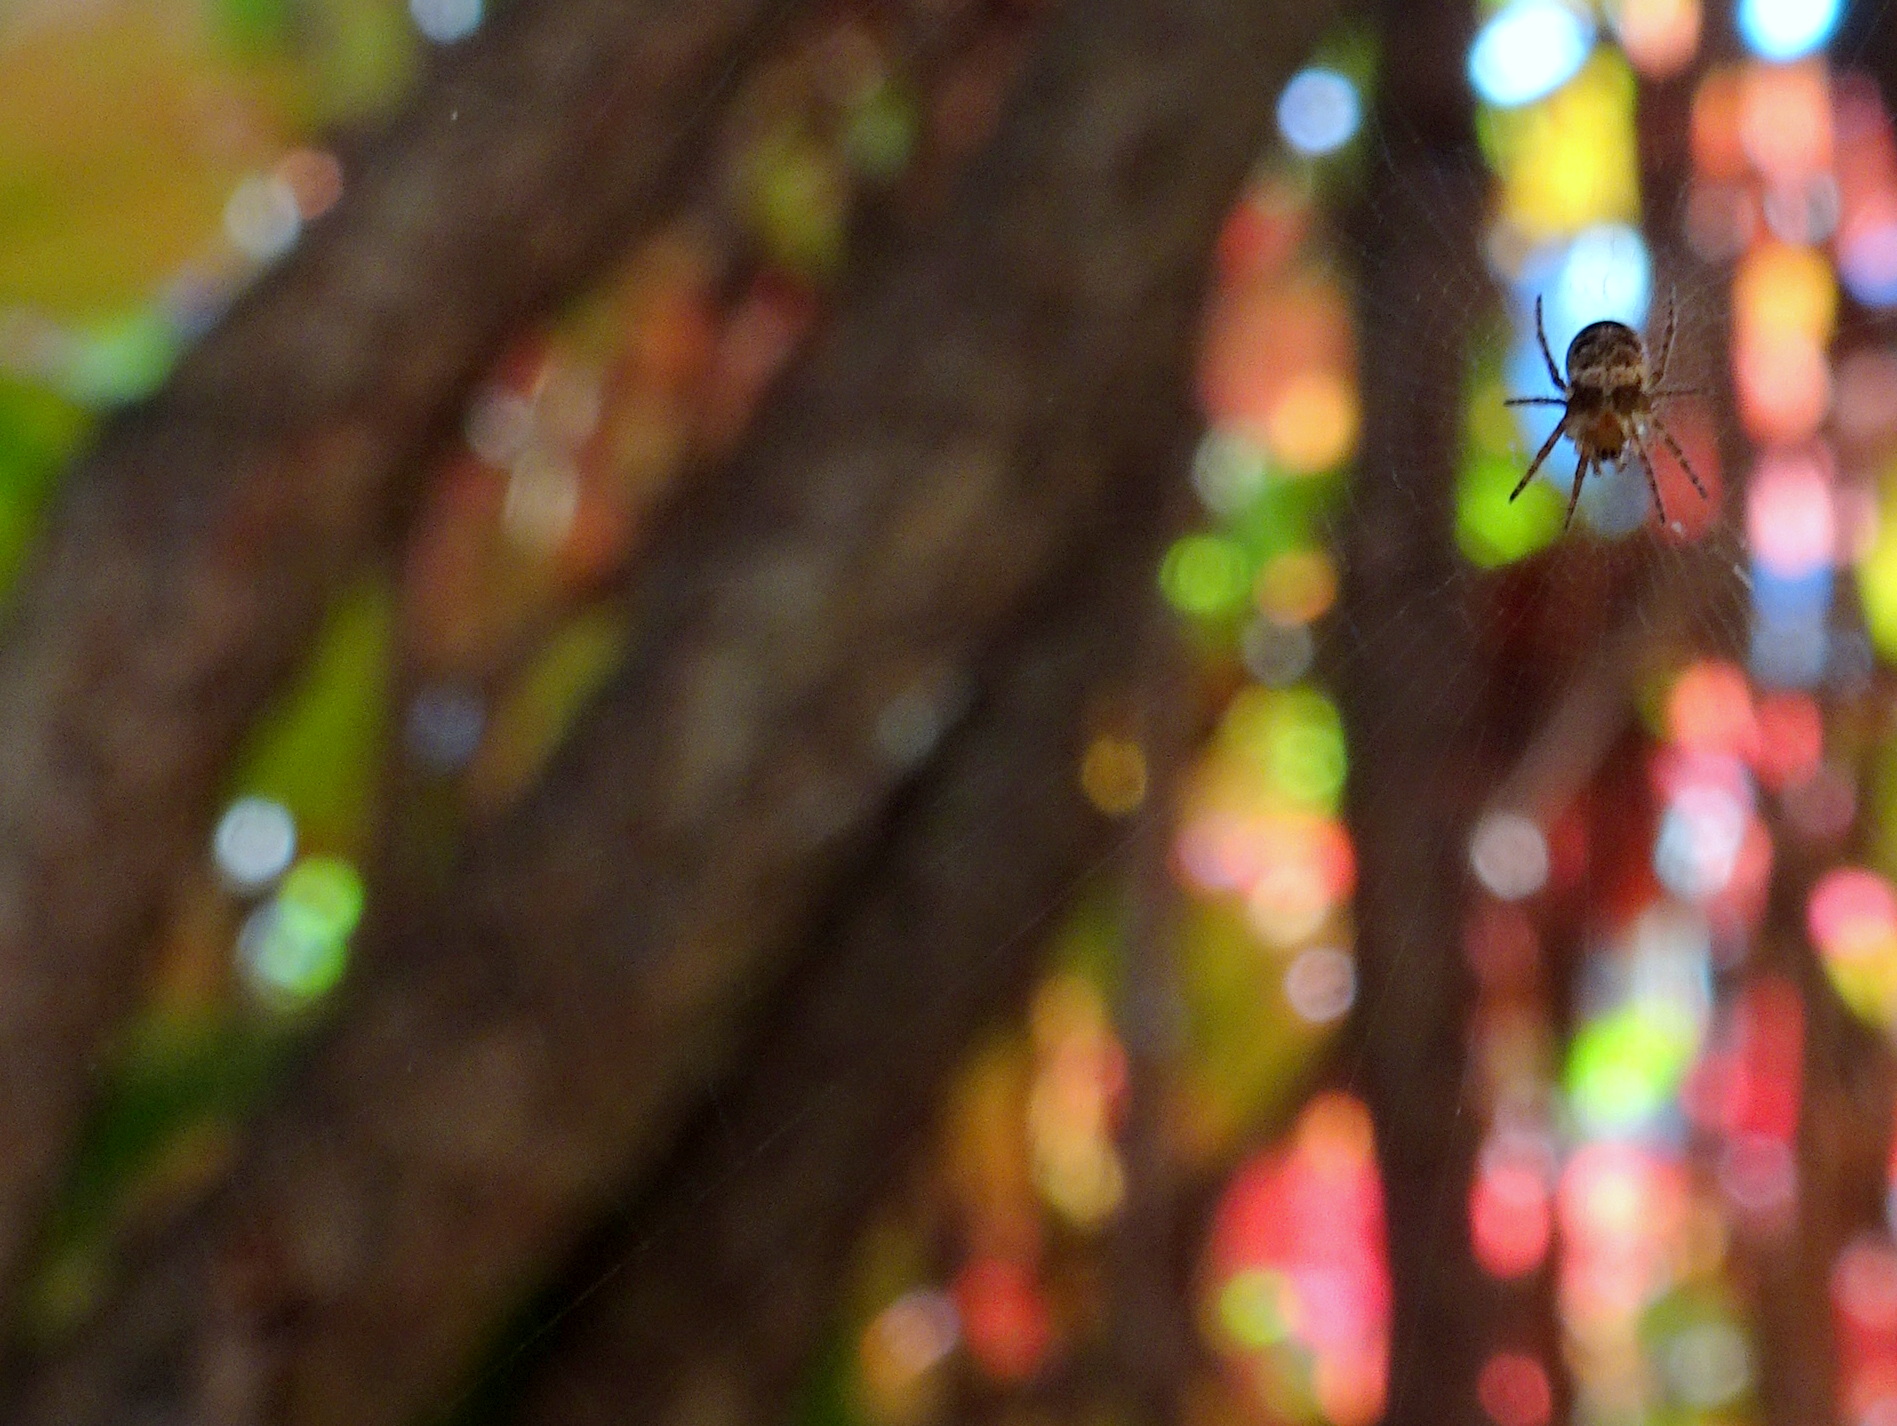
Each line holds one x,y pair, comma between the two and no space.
115,182
321,750
39,430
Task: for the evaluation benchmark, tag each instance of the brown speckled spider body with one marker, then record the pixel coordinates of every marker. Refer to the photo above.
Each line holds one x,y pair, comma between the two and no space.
1610,401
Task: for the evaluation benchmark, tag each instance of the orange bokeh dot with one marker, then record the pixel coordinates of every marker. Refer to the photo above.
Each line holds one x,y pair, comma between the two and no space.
1717,152
1791,740
1297,586
1785,119
1852,912
1263,338
1349,1386
1312,426
1710,710
1511,1220
1784,389
1514,1390
1781,291
1260,234
1005,1318
1659,36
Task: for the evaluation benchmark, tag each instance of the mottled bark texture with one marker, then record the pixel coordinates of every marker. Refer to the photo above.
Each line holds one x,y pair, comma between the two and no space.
809,621
721,1284
1412,697
194,548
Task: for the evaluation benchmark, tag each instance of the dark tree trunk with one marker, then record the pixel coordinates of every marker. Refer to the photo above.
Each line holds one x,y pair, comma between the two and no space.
1412,694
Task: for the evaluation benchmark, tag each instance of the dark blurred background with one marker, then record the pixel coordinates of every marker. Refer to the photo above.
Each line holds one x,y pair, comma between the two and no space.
832,711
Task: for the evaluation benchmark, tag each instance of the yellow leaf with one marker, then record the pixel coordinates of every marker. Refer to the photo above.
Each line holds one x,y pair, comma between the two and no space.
121,139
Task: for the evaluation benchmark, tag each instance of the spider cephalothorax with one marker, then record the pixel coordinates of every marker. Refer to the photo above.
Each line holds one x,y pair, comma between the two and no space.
1610,401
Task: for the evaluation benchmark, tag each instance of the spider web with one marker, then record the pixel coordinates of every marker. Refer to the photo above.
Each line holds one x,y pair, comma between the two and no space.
1601,607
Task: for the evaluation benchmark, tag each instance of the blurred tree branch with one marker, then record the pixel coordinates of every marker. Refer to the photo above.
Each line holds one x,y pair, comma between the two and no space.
194,549
809,621
725,1278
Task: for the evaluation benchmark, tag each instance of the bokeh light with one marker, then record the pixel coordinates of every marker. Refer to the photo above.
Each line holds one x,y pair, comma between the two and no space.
1852,919
1622,1209
1701,833
1229,472
1295,1272
1867,259
1511,1208
903,1343
1783,293
1528,49
1297,586
1318,112
1113,775
294,947
1709,709
1784,119
263,218
446,21
1510,855
444,726
1707,1365
1791,740
1205,575
1787,29
1312,425
254,843
1571,160
1791,518
1005,1318
1605,275
1659,36
1078,1086
1866,175
1320,984
1514,1390
315,179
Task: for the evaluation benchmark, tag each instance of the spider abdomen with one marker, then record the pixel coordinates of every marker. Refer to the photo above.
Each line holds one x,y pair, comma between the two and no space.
1607,378
1607,358
1607,402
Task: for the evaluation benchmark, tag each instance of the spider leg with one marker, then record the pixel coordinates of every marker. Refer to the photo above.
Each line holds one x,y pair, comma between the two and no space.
1535,401
1653,480
1679,455
1666,339
1574,497
1667,393
1541,336
1541,455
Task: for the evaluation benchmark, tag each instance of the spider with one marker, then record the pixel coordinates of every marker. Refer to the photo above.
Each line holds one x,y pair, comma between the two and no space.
1608,402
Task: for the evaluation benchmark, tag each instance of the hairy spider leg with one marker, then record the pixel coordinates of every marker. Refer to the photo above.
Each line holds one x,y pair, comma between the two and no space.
1668,393
1679,455
1535,401
1666,341
1653,480
1582,467
1541,336
1541,455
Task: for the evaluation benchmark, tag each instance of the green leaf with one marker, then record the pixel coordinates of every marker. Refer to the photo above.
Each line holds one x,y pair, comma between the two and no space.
319,751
